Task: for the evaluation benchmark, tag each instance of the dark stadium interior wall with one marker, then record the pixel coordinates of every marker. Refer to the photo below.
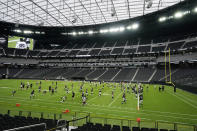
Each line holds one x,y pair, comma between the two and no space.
3,40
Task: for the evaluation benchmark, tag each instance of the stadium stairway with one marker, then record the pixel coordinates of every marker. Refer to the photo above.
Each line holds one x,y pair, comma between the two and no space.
96,74
152,75
115,75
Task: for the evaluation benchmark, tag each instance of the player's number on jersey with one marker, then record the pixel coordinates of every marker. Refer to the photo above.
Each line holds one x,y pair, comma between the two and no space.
21,46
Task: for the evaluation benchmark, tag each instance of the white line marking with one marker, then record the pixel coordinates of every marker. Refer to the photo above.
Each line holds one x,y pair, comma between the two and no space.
92,99
78,105
102,109
183,100
186,98
114,100
4,87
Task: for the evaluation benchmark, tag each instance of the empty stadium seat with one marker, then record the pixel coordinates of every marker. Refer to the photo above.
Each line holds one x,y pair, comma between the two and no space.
8,122
135,129
125,128
145,129
163,129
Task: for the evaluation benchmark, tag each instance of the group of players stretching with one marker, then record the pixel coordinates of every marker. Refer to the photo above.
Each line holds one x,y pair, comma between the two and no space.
123,87
84,92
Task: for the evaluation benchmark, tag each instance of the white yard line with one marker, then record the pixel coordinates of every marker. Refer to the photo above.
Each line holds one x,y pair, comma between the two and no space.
114,100
76,104
186,98
92,99
147,114
4,87
183,100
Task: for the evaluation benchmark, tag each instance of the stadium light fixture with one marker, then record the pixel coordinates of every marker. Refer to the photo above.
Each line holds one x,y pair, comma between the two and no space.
178,15
162,19
37,32
27,32
74,33
90,32
113,29
135,26
195,9
129,28
81,33
121,29
104,31
18,31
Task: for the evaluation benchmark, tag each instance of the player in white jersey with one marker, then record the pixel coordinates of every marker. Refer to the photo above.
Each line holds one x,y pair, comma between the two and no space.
21,44
27,42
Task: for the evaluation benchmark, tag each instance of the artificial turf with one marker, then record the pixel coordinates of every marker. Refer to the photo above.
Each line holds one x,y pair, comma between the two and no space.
166,107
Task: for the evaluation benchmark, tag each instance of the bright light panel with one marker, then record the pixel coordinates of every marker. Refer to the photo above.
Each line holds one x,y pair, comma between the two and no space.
37,32
195,10
178,15
90,32
18,31
162,19
135,26
121,29
104,31
113,29
81,33
74,33
27,32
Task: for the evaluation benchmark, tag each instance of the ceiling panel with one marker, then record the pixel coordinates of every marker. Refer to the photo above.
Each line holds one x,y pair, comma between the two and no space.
76,12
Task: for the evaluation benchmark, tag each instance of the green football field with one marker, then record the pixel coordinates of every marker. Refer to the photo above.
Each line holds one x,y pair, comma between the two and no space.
165,107
14,39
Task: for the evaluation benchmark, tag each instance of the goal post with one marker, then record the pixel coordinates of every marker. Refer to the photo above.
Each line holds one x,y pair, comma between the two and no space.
169,68
138,98
138,102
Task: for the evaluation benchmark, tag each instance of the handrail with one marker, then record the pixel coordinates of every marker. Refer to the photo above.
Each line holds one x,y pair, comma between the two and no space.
24,127
67,123
89,117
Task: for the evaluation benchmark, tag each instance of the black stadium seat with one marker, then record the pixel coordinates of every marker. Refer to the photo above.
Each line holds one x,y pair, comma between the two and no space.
153,129
135,129
115,128
145,129
8,122
125,128
163,129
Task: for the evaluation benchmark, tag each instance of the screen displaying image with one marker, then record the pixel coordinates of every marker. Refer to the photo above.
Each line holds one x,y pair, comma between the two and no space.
20,42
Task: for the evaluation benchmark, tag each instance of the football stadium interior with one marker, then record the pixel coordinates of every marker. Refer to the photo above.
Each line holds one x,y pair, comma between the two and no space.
98,65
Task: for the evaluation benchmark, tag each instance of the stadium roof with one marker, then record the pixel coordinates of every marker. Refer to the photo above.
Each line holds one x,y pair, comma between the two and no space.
77,12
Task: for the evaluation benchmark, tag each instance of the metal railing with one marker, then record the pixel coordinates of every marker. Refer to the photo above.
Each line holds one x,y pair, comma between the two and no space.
80,118
28,127
143,123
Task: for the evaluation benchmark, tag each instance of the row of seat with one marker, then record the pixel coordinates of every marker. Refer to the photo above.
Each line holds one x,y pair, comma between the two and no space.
102,51
107,127
110,74
9,122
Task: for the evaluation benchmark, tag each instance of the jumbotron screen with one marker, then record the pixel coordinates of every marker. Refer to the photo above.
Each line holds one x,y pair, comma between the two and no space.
20,42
